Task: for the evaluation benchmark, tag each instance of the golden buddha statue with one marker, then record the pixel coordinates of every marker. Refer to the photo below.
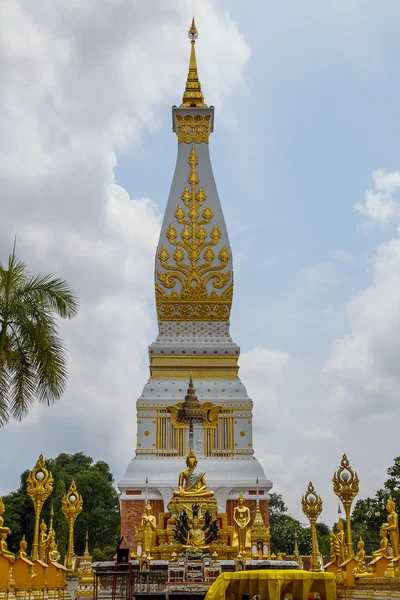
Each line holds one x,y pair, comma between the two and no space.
384,546
335,549
196,537
51,554
392,526
42,541
3,547
149,526
23,545
341,540
241,521
360,557
192,481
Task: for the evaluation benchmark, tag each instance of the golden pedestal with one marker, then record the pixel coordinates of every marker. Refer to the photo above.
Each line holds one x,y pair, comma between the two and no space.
56,577
347,568
5,573
39,583
178,504
379,565
23,574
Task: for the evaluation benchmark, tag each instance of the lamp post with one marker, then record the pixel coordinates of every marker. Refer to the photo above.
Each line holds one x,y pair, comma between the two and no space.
346,486
39,485
71,507
311,504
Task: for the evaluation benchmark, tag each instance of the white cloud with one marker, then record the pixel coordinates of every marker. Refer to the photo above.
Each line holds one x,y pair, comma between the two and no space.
342,256
379,204
81,82
365,363
317,433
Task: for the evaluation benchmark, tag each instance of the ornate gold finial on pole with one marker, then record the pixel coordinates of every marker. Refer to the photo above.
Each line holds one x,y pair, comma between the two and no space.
51,516
87,544
346,487
71,507
39,485
311,504
193,96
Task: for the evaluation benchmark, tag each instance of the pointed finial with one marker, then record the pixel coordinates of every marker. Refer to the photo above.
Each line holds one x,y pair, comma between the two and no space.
87,543
193,34
193,96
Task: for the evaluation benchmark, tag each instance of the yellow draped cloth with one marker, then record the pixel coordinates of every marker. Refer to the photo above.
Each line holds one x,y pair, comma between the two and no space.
272,585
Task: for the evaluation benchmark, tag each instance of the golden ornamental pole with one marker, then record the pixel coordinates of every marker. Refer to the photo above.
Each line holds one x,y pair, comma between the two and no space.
311,504
346,486
71,507
39,485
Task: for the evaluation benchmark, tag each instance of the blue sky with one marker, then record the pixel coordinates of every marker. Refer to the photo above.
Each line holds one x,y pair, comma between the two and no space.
306,98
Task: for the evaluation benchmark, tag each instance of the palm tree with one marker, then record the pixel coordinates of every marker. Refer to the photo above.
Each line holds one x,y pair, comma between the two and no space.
33,362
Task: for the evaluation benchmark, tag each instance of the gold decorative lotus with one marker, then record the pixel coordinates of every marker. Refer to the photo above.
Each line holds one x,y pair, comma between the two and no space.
194,266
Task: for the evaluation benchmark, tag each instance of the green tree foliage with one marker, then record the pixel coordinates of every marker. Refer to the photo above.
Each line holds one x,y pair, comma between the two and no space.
32,355
283,528
369,514
100,515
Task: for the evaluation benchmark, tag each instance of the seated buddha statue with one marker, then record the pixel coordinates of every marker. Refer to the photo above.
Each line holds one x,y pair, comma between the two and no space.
192,481
23,545
384,547
3,548
360,558
196,537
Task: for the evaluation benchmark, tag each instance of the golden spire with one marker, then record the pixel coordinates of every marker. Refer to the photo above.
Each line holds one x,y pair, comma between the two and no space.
193,96
87,543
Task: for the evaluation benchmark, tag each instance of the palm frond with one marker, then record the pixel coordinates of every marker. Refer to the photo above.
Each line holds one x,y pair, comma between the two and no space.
33,359
4,395
52,293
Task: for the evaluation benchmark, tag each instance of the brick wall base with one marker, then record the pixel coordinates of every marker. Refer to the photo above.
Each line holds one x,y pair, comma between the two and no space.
131,516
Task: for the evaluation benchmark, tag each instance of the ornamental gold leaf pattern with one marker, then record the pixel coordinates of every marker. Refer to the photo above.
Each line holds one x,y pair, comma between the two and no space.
193,129
194,264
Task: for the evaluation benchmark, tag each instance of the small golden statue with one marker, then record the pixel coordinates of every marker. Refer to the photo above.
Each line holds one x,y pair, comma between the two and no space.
196,537
192,481
341,540
3,547
42,541
241,521
360,558
392,526
149,526
23,546
384,547
335,549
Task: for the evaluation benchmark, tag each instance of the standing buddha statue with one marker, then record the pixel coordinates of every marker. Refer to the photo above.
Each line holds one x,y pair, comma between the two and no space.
341,540
149,526
392,526
43,537
241,522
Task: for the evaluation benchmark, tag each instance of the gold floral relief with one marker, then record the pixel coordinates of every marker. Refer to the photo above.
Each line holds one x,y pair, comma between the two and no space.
194,264
193,129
